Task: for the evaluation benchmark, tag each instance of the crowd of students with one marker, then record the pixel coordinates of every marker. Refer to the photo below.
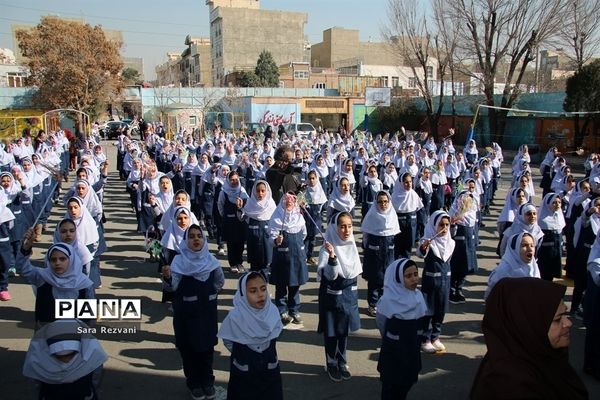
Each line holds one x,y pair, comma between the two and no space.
271,197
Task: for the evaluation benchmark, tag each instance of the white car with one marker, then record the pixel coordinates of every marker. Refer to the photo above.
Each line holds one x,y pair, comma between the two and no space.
301,129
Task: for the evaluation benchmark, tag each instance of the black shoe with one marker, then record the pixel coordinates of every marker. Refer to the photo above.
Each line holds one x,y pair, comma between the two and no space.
344,372
197,394
456,299
460,297
334,373
296,319
285,318
209,392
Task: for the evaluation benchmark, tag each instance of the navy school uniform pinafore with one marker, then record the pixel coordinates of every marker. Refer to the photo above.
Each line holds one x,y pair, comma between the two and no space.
82,388
338,307
259,251
549,255
378,253
254,375
435,286
400,357
288,267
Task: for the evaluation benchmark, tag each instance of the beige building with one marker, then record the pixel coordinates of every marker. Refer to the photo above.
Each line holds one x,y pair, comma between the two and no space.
169,73
554,68
341,46
240,31
195,63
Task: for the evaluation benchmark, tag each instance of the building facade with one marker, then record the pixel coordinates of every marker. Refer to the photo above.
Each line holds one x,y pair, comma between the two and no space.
240,31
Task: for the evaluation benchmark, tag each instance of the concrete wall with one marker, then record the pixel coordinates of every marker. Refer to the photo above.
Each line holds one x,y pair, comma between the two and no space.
240,35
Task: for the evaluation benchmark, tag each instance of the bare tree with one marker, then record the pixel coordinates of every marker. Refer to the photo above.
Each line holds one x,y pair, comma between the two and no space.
580,31
502,35
418,46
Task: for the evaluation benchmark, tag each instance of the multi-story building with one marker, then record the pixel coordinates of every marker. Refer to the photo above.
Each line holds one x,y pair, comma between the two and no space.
195,63
554,68
240,31
169,73
342,50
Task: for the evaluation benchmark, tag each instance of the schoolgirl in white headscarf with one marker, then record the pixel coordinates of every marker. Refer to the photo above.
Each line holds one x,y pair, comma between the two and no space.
552,221
379,228
399,310
195,278
338,269
175,231
341,198
525,221
87,230
514,199
66,232
250,332
517,262
59,357
436,247
258,212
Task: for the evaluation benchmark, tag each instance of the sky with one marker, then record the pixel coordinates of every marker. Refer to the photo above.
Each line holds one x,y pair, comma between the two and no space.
153,28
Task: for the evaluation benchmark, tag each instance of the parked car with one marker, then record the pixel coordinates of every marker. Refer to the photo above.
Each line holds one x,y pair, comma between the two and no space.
302,129
112,129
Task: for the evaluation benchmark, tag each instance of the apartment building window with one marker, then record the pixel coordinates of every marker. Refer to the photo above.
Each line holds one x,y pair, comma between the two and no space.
193,120
320,85
395,81
412,82
300,74
429,72
281,84
385,81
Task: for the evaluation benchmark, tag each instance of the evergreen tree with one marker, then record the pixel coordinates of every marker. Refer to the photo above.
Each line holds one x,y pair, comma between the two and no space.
583,94
266,70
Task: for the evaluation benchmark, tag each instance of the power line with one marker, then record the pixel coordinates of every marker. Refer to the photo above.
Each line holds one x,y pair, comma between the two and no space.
120,30
94,16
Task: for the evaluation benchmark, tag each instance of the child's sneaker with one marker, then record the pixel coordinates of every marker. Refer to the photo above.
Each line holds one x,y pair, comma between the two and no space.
438,345
209,392
334,373
344,372
4,295
428,348
197,394
12,272
296,319
285,318
234,269
221,251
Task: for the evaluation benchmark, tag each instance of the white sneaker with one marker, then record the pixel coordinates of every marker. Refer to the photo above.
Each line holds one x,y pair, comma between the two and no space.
438,345
221,252
427,347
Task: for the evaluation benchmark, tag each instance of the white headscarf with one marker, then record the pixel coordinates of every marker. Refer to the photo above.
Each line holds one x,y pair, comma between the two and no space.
594,220
233,192
173,233
339,201
91,200
261,210
169,214
316,194
441,245
549,219
40,363
197,264
381,223
510,205
87,230
512,266
405,201
349,265
520,225
82,251
68,284
247,325
5,213
288,221
397,300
